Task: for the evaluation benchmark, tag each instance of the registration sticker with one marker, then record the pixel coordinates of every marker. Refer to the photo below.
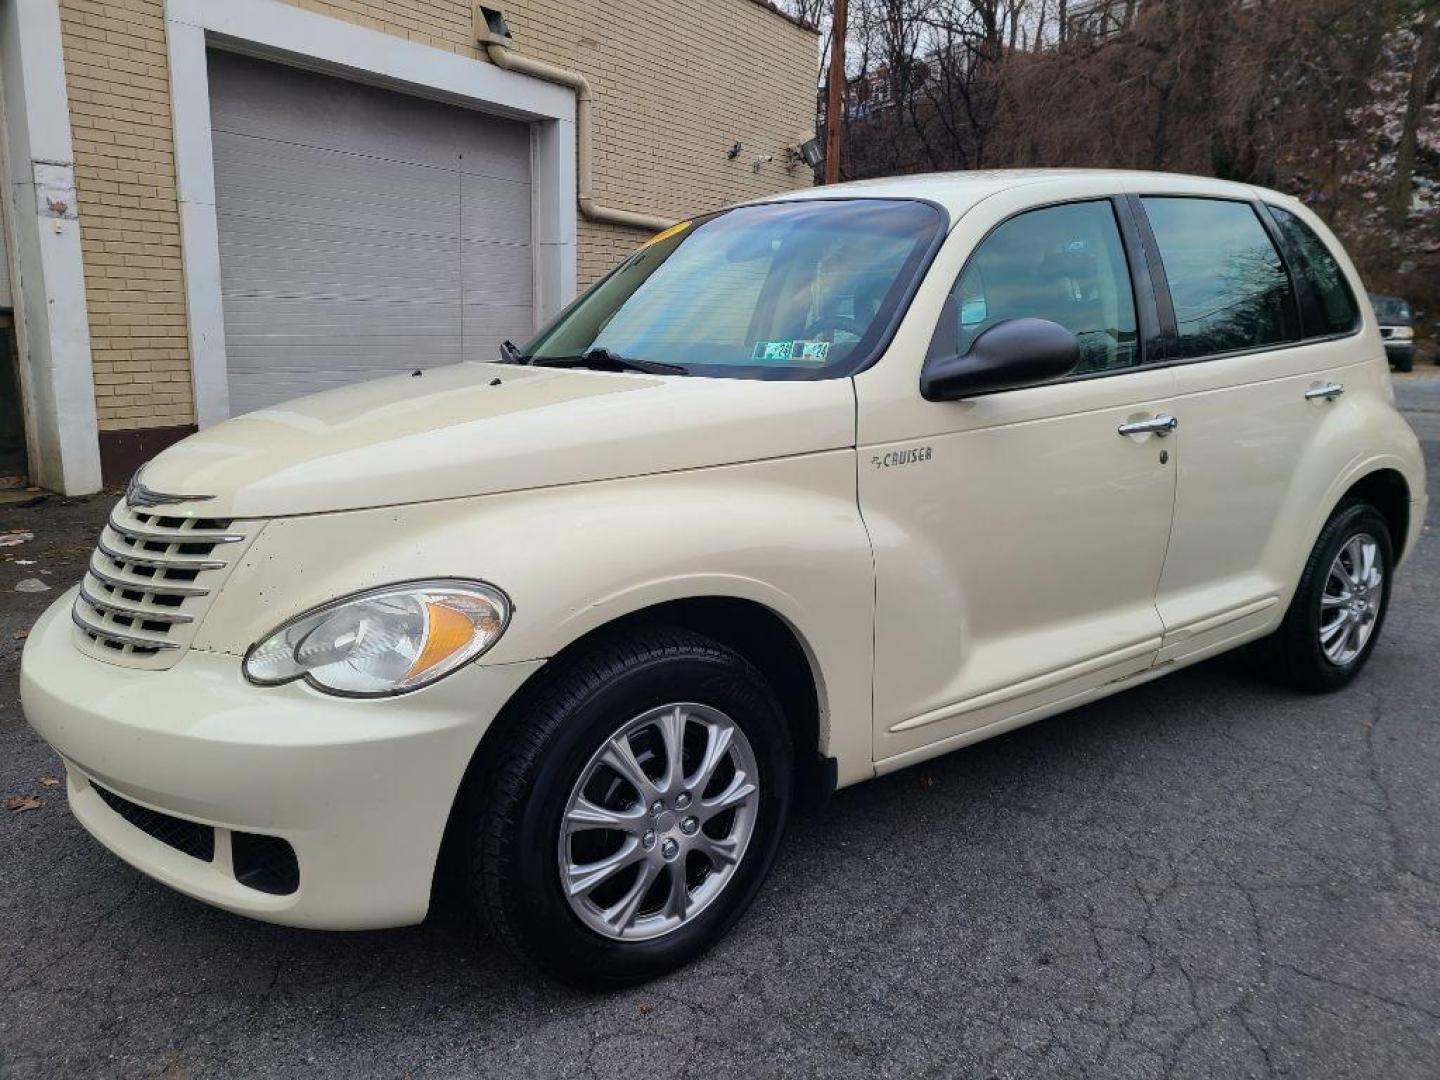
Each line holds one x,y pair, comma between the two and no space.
772,352
788,352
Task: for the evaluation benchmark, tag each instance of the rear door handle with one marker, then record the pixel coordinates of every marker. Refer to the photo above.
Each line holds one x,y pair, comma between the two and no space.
1160,425
1329,391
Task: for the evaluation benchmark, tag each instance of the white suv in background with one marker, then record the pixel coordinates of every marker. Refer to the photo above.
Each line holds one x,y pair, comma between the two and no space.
803,492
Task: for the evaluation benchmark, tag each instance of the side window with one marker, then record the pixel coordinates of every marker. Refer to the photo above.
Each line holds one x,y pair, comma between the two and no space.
1227,282
1332,308
1062,263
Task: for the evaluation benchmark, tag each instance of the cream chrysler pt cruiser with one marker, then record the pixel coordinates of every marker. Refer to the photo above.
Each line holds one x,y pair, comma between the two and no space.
803,492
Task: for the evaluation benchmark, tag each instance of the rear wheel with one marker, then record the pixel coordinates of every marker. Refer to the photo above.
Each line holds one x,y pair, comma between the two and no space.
1405,363
633,813
1339,606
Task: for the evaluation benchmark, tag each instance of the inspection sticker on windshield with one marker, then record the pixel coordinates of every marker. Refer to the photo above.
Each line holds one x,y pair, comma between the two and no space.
784,352
810,352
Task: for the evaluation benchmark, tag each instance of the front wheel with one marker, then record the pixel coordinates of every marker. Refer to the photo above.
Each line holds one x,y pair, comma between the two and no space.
1339,606
633,811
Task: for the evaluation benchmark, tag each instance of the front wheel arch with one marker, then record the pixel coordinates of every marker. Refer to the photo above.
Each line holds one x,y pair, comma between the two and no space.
758,633
508,814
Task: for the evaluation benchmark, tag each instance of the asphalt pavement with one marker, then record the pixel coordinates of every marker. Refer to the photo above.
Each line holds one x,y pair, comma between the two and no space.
1202,877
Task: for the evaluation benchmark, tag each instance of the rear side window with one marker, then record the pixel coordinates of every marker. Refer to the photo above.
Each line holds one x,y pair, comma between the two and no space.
1227,282
1328,305
1062,263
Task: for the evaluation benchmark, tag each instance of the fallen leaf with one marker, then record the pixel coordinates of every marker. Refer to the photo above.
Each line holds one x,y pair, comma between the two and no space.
21,635
20,803
645,1008
49,781
927,781
10,539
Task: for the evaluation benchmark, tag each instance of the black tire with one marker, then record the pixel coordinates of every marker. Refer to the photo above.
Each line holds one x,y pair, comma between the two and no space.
1293,654
509,819
1405,364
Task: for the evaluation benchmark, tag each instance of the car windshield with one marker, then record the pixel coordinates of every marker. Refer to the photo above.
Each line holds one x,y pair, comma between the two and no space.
1390,307
789,290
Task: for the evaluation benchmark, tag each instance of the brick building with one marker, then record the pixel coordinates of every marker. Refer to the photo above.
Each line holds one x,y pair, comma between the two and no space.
214,205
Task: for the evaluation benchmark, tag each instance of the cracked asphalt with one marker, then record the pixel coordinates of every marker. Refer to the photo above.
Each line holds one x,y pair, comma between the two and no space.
1203,877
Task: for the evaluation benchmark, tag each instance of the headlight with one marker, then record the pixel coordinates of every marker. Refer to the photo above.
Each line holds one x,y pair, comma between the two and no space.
384,641
1403,333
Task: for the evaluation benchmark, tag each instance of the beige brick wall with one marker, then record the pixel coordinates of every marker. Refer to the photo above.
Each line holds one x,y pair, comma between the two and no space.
677,82
118,82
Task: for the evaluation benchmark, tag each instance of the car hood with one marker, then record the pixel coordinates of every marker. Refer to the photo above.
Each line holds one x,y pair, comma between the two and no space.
478,429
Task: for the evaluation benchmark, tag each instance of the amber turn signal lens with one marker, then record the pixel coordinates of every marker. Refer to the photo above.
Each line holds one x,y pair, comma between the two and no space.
446,632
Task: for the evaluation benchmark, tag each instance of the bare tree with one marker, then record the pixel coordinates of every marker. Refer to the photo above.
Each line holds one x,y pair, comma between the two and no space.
1303,95
1420,71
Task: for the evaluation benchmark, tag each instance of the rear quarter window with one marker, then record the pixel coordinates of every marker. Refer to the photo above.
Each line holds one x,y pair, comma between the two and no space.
1327,304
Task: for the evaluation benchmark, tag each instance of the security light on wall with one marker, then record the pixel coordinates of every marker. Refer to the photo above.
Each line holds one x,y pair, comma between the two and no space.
490,28
808,153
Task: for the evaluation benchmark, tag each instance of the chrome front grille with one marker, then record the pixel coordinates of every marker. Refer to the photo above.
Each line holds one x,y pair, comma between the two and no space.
151,578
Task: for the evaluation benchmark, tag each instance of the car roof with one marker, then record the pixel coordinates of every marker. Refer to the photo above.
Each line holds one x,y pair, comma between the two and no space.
957,192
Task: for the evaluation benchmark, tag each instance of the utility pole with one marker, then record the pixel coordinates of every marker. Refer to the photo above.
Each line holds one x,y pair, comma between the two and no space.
835,94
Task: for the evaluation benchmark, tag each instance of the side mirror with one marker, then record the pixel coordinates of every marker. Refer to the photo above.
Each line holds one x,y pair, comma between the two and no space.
1011,354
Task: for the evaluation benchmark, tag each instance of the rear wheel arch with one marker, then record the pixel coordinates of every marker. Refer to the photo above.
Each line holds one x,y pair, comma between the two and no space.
1387,491
1379,485
1296,653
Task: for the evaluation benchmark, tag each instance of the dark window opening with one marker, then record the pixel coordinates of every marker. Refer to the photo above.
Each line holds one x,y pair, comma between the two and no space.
1327,304
1227,282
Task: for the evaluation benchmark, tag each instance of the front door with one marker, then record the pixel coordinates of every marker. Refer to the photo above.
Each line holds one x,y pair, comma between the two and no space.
1019,536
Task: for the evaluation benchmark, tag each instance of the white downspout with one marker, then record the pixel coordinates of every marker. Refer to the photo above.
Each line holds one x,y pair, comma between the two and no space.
502,56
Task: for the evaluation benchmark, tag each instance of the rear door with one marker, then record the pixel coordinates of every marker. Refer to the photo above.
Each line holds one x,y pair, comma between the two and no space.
1251,348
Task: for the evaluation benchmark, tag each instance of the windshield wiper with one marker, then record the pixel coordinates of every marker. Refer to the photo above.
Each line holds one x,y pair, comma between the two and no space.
510,353
605,359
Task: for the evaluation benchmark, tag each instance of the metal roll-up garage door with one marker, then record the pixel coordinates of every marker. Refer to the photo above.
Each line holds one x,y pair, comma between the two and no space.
363,232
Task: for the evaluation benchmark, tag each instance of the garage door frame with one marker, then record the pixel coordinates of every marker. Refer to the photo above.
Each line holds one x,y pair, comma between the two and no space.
278,32
57,383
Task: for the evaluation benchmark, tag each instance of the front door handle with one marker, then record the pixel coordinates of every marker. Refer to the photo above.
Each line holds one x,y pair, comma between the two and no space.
1160,425
1329,391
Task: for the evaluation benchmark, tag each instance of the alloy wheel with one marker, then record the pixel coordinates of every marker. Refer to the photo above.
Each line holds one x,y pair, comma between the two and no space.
1350,603
658,821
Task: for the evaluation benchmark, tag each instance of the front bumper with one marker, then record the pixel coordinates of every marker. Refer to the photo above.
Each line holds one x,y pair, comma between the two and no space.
360,788
1399,350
